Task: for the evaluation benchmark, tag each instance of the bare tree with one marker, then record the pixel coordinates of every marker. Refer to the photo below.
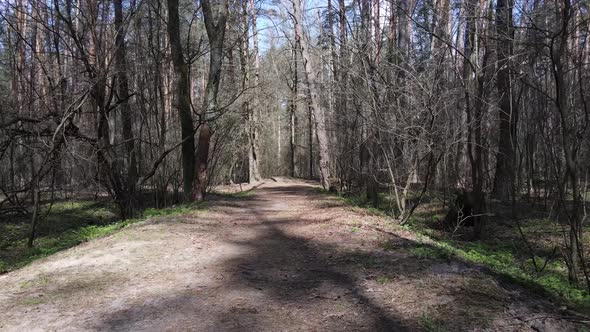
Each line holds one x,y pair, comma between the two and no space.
215,25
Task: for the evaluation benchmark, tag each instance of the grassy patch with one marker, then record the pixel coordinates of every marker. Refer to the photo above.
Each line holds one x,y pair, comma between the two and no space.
41,280
66,225
430,324
237,194
384,207
48,245
383,280
173,210
503,262
501,256
389,246
33,301
427,252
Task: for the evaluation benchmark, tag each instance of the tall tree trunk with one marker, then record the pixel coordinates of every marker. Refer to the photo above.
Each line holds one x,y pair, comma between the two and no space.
293,111
504,178
122,87
183,103
574,254
474,95
216,35
253,153
341,101
311,80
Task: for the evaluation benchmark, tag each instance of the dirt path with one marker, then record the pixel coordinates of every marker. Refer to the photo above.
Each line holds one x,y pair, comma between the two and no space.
280,259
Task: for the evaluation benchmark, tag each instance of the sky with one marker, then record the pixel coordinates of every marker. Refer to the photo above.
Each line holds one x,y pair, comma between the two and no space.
274,27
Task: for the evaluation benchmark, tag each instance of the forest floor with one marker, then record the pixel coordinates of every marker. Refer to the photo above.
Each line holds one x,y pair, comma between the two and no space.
280,257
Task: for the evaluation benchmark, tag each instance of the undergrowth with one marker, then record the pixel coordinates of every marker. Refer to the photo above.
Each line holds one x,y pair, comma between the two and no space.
430,324
66,225
502,259
384,208
503,262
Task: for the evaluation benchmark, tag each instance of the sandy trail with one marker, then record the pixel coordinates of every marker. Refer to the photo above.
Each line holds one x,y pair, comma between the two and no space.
281,259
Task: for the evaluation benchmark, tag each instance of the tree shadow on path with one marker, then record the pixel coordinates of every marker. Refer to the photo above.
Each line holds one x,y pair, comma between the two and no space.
282,277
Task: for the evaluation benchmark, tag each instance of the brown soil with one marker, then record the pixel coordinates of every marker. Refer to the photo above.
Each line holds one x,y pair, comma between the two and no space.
283,258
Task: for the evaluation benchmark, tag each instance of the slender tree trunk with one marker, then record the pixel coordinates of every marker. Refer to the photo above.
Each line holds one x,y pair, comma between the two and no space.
125,110
474,100
253,154
574,251
293,111
34,217
504,178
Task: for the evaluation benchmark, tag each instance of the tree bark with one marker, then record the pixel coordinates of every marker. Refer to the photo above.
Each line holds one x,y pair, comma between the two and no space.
293,111
122,87
216,35
183,103
253,153
504,177
312,94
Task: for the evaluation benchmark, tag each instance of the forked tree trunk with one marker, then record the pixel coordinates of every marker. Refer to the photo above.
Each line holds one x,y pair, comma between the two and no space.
215,34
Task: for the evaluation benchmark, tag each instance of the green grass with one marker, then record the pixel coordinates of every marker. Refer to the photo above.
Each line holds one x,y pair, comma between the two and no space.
33,301
238,194
383,280
383,209
68,224
174,210
427,252
503,259
48,245
430,324
389,246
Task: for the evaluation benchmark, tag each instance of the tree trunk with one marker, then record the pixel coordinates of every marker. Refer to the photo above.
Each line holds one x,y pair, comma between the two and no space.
215,34
34,217
183,103
253,153
293,111
504,178
310,80
574,254
130,166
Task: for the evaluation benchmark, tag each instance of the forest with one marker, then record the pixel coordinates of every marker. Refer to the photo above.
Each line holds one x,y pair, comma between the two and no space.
461,128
